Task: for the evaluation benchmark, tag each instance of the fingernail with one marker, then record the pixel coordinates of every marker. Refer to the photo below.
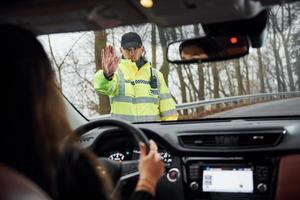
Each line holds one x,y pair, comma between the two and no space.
141,144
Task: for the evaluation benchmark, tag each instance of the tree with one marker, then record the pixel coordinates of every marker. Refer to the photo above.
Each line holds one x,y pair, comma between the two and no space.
165,68
60,64
153,44
247,75
238,75
282,23
215,74
260,72
231,87
296,55
277,58
100,43
201,86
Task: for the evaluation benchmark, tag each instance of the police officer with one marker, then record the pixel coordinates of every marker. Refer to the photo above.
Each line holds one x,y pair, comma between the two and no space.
137,92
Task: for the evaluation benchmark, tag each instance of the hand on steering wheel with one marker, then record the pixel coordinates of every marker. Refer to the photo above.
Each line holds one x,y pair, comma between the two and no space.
150,166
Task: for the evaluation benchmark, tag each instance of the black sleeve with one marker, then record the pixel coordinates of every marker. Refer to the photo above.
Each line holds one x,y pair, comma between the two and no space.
77,178
141,195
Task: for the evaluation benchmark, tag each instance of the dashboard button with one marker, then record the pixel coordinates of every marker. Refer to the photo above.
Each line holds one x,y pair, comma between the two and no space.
173,174
261,187
194,185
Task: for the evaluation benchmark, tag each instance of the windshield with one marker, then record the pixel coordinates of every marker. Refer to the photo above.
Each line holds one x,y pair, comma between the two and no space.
263,83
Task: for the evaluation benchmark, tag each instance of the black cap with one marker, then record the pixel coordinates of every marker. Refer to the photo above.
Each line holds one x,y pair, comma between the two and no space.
131,40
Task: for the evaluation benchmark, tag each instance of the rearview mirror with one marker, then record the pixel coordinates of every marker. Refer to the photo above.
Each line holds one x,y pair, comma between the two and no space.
207,48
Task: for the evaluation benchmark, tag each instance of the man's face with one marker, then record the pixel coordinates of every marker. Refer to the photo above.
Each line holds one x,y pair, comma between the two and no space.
133,54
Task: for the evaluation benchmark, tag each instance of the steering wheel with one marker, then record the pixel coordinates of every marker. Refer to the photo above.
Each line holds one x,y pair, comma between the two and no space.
119,172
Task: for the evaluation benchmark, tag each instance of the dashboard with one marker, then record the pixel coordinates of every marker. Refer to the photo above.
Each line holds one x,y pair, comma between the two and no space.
133,154
210,160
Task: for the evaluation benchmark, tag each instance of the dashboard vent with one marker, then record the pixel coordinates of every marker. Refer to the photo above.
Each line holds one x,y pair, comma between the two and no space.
232,139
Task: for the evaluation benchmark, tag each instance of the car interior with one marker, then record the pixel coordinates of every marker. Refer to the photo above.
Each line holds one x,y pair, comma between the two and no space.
232,158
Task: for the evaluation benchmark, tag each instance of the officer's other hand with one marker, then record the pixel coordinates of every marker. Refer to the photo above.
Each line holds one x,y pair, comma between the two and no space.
109,60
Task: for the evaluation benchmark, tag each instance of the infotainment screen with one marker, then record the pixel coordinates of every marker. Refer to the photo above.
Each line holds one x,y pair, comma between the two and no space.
227,179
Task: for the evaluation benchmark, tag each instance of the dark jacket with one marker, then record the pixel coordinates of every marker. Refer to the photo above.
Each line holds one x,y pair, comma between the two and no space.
77,178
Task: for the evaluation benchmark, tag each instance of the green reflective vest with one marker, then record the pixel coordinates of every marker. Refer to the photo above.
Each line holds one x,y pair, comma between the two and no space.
131,96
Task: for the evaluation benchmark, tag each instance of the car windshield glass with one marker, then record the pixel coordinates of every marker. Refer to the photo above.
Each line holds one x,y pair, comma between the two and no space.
266,82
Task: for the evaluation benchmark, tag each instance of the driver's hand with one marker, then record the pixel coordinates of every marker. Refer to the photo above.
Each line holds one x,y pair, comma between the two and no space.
151,168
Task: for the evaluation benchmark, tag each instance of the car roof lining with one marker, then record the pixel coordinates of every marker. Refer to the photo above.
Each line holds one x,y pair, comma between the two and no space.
56,16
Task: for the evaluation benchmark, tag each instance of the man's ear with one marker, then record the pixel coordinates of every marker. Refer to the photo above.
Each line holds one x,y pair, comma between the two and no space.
121,50
143,48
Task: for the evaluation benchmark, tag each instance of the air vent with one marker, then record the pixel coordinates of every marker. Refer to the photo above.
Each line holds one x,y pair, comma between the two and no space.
232,139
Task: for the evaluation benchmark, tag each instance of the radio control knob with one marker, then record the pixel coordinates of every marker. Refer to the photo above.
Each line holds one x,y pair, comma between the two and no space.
194,185
261,187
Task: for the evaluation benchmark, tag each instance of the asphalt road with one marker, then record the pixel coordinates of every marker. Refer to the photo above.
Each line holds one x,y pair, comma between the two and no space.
273,108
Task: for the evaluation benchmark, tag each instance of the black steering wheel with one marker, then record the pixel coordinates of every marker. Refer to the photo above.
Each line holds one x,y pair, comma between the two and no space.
119,172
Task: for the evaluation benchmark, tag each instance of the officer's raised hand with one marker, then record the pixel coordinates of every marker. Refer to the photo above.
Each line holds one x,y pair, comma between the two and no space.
109,61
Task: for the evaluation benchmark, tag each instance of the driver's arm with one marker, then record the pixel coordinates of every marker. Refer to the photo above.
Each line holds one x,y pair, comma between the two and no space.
151,168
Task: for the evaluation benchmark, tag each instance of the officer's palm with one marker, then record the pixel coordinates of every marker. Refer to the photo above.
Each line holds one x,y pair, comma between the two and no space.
109,60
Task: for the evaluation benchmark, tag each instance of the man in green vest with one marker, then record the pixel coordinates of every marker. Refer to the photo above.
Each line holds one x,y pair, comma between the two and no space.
138,92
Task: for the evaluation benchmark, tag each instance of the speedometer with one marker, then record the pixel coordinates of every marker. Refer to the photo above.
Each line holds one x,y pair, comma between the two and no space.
116,156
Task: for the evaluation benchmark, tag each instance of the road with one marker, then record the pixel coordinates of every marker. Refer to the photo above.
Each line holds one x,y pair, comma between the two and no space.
274,108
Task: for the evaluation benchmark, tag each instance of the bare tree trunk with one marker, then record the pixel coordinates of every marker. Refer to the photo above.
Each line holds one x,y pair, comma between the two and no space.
201,93
284,29
153,44
261,72
297,69
288,63
216,80
182,87
238,76
182,84
209,81
297,62
190,78
190,91
100,43
284,85
201,82
222,89
276,56
247,76
165,68
230,85
270,89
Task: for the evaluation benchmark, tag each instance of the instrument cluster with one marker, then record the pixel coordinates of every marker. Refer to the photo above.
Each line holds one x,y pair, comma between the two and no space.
134,154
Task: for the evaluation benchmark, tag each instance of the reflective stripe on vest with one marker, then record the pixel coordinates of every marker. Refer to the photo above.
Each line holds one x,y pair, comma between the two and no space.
135,100
139,118
121,83
165,96
168,113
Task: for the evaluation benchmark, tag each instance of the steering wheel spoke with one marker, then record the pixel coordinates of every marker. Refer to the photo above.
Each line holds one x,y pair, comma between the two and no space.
128,167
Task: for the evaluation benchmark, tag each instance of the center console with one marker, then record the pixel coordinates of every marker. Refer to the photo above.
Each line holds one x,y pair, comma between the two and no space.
216,178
